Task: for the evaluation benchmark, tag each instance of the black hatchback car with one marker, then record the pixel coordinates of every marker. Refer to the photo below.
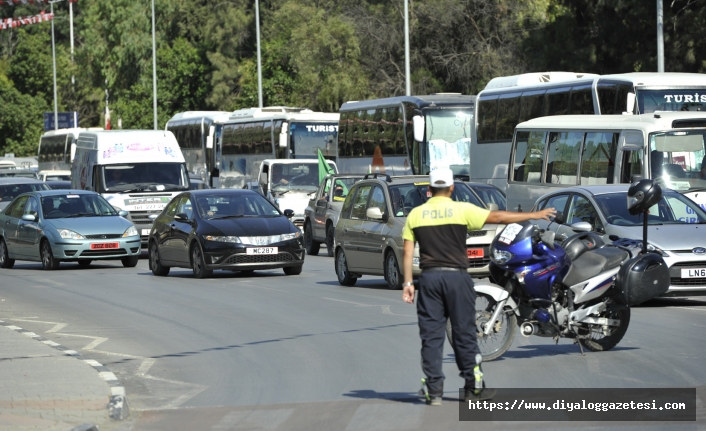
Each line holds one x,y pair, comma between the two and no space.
229,229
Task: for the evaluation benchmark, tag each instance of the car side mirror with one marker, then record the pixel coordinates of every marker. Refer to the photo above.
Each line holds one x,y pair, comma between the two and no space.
289,213
181,217
123,213
493,207
581,226
321,202
374,213
29,217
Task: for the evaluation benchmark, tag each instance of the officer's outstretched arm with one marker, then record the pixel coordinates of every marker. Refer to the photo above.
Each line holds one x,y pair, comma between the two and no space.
506,217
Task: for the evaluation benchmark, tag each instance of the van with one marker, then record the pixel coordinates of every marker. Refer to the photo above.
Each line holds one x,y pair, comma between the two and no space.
138,171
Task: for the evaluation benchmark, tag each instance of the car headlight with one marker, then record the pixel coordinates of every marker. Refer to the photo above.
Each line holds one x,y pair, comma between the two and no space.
230,239
131,231
288,236
501,257
69,234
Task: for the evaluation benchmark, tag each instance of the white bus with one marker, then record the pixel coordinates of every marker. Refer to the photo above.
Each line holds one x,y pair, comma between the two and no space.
508,101
379,135
57,148
234,144
551,152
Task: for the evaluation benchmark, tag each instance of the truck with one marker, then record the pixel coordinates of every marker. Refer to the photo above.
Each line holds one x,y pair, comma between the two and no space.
289,183
138,171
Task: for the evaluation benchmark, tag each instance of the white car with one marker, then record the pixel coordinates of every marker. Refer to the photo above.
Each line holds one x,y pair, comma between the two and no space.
676,228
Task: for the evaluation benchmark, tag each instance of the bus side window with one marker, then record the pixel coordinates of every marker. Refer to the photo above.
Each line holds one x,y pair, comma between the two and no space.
606,98
508,116
487,119
532,105
632,165
599,156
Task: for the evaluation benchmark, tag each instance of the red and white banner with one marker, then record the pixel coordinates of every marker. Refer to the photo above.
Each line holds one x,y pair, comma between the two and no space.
25,20
19,2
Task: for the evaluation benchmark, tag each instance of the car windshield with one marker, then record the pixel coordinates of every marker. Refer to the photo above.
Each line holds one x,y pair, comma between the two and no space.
136,177
218,206
678,159
491,195
672,209
57,178
309,138
295,176
406,197
10,191
76,205
341,188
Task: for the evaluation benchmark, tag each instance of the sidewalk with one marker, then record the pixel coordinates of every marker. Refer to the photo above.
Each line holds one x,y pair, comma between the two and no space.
44,386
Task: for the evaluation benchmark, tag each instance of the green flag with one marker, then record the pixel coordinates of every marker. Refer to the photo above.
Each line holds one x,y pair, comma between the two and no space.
324,168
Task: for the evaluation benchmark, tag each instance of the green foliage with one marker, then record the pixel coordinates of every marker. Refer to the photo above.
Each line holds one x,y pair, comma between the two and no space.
19,128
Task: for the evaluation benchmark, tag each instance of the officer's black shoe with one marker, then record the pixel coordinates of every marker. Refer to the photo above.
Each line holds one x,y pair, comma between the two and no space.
479,394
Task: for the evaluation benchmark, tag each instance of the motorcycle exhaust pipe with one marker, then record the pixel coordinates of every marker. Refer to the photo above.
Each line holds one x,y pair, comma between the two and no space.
528,329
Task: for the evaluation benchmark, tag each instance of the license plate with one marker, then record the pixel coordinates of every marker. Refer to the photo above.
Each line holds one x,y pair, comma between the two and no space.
693,273
261,250
145,232
104,245
147,207
475,253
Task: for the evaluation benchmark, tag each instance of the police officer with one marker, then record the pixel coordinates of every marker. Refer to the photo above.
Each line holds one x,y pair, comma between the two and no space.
445,288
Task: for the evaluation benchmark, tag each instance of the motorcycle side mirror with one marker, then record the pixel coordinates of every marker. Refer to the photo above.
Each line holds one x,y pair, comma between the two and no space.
559,218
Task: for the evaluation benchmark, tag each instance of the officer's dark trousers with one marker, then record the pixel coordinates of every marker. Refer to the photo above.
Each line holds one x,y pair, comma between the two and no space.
447,294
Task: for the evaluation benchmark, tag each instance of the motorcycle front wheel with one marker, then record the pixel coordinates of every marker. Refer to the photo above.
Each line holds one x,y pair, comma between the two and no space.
493,345
598,340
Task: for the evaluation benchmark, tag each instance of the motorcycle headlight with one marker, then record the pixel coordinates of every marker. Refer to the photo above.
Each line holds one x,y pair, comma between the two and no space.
69,234
501,257
230,239
131,231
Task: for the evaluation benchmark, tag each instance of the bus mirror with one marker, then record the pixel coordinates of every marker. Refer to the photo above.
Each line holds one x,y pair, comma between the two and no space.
418,125
263,178
493,207
209,138
283,135
630,105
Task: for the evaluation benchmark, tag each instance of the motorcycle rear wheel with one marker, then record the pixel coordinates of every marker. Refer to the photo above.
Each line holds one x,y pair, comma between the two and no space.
498,342
603,342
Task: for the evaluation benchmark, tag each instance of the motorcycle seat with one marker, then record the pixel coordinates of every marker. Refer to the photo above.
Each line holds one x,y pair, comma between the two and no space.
593,262
580,243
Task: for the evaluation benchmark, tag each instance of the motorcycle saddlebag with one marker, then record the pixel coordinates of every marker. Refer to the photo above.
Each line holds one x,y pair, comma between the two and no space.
642,278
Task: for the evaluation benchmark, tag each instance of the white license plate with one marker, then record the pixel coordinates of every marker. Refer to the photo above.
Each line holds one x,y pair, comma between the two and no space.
147,207
693,273
145,232
261,250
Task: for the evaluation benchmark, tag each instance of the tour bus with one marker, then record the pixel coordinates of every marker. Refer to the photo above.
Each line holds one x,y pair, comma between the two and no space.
191,130
242,139
138,171
508,101
406,135
57,148
555,152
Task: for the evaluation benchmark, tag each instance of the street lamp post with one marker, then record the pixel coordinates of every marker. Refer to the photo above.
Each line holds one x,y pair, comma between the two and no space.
408,85
53,60
154,70
259,61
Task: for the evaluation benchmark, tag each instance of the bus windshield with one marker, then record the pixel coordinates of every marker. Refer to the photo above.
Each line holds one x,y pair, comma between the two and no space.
136,177
308,138
671,100
677,159
448,136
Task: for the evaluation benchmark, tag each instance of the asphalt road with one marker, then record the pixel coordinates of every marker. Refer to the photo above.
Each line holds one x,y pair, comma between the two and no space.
272,351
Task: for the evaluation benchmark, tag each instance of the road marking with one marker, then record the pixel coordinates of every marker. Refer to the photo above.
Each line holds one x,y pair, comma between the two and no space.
57,327
689,308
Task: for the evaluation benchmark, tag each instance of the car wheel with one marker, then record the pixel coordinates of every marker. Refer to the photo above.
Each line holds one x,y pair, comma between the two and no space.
330,243
344,277
130,261
293,270
392,271
5,261
198,263
83,263
156,263
49,263
312,247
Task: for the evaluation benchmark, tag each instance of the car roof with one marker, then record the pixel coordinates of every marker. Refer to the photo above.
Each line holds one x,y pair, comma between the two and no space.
596,190
54,192
19,180
208,192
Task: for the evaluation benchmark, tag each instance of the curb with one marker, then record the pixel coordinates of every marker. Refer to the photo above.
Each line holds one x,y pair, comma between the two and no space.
117,405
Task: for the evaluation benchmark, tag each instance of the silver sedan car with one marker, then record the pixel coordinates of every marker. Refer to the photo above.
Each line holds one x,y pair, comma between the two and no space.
676,228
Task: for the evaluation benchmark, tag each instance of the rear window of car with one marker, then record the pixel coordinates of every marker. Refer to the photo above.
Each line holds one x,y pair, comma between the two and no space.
11,191
405,197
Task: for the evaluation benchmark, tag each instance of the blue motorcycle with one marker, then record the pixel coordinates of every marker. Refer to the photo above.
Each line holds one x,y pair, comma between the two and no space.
581,289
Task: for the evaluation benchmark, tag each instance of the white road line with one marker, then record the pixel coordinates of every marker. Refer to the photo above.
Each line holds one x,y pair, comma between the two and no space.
57,327
689,308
